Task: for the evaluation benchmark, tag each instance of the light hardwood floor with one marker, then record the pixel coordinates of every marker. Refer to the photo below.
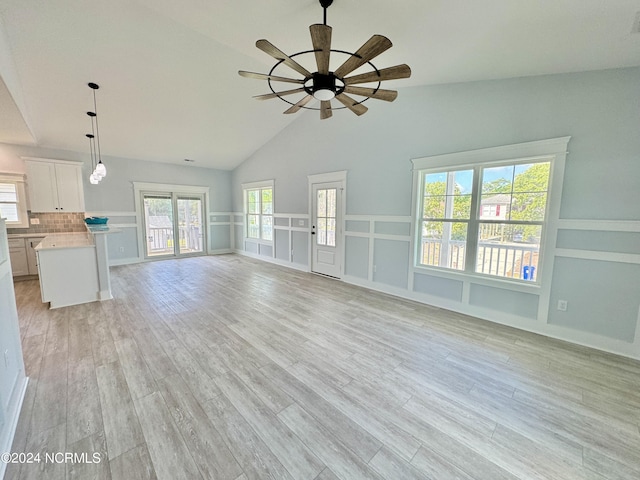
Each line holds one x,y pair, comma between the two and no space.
229,368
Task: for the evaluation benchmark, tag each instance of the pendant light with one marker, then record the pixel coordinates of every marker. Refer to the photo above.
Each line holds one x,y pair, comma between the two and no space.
92,178
99,171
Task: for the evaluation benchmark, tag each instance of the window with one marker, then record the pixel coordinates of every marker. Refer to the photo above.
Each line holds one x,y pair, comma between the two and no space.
13,204
259,210
446,212
486,216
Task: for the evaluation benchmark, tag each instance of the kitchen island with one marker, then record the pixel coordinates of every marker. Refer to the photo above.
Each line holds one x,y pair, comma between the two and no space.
74,268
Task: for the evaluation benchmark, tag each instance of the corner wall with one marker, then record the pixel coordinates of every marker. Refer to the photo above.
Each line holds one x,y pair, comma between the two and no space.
597,254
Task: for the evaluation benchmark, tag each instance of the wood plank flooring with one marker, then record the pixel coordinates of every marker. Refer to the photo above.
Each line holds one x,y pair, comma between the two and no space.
229,368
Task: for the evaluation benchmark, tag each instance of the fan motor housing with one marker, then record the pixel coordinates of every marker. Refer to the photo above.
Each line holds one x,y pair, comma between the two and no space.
319,81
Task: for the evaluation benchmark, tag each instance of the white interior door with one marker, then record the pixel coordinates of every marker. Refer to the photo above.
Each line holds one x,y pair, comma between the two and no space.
326,231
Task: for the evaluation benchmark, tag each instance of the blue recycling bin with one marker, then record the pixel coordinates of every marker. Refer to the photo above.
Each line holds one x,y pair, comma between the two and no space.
527,272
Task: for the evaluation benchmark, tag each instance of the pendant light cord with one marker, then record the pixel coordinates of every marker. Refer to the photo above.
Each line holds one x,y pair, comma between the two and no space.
97,132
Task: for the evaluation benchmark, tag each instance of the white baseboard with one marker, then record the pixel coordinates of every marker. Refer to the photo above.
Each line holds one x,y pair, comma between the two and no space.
124,261
13,415
221,251
276,261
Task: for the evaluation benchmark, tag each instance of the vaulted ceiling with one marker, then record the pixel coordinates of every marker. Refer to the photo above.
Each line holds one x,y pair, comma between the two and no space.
168,69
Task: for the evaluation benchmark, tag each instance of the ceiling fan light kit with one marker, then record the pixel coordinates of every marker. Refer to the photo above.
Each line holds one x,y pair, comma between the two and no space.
325,85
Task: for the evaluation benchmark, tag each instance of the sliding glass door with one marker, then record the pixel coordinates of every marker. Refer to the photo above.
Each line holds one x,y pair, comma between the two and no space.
174,224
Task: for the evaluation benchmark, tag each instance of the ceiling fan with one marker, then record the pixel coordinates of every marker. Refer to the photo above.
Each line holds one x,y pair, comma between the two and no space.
325,85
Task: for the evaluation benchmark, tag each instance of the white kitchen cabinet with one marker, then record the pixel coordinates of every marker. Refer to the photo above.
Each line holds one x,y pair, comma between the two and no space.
32,259
54,185
18,257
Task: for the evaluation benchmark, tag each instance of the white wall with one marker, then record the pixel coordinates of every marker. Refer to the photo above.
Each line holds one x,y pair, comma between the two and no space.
600,204
12,377
114,196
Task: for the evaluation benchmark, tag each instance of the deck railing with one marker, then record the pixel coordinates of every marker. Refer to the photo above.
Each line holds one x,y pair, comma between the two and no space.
513,260
160,239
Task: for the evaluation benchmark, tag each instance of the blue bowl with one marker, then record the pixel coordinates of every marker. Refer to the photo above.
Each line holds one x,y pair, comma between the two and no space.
96,220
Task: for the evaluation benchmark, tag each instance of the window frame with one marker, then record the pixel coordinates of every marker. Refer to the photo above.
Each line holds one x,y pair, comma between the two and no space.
21,204
259,186
552,150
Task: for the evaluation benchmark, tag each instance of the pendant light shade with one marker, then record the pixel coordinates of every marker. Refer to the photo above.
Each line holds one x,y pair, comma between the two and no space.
101,169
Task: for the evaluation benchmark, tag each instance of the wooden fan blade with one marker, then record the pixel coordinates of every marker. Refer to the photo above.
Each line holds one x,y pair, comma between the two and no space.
380,94
299,105
321,38
351,104
391,73
269,48
367,52
325,110
278,94
274,78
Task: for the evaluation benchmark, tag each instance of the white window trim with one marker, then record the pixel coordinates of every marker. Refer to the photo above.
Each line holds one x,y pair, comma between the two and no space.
254,186
554,150
23,215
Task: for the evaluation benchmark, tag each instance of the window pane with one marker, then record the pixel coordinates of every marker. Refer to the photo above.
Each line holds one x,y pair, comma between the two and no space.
8,193
448,195
497,180
461,206
444,244
331,232
253,201
322,203
253,226
533,177
252,196
267,201
322,231
435,183
528,206
9,211
495,206
508,250
434,206
331,203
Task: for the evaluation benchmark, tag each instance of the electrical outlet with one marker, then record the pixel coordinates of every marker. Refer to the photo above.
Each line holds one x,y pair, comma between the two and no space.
121,249
562,305
35,221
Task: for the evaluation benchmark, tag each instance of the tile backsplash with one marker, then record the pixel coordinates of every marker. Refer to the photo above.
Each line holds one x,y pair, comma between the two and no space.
53,223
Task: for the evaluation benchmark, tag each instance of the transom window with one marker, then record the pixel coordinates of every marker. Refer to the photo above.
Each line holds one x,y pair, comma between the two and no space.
13,205
259,212
488,218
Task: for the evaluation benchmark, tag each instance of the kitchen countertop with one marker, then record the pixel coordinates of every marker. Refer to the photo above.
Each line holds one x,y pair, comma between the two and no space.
66,240
29,235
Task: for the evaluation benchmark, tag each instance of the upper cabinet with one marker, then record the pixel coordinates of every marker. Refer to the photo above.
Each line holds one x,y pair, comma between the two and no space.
54,185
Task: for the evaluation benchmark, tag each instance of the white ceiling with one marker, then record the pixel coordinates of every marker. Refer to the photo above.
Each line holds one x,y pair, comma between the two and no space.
168,69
